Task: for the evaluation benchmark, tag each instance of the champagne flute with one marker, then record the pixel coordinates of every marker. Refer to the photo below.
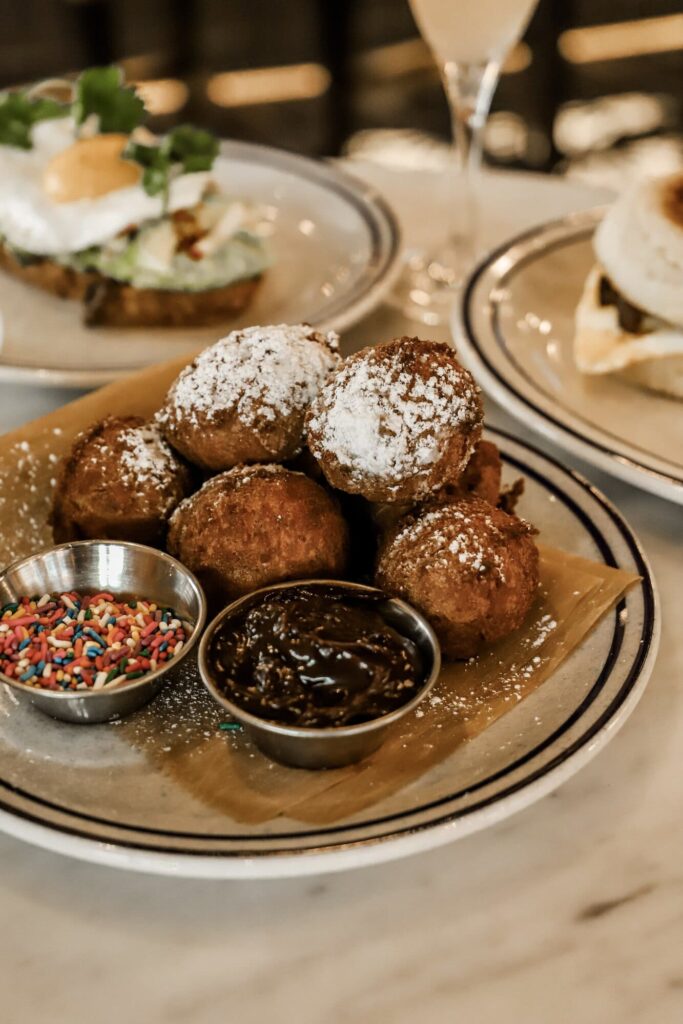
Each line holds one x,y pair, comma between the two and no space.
470,40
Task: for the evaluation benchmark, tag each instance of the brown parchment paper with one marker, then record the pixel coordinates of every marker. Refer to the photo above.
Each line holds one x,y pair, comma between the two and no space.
231,776
29,455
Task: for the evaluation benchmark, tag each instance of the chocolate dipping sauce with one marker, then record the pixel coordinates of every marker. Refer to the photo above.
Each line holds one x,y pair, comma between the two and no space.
315,657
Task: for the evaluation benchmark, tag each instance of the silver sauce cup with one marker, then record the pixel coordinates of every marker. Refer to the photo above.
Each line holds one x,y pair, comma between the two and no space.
121,568
334,746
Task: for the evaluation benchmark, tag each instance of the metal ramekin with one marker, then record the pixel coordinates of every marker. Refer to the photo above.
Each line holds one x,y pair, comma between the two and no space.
120,568
330,747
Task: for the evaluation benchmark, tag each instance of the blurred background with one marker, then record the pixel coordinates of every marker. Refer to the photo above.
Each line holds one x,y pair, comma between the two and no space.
593,91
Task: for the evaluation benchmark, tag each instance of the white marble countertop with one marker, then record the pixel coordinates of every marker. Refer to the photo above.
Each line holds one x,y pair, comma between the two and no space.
570,911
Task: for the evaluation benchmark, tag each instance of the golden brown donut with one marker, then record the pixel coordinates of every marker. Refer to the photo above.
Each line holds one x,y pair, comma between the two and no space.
472,569
255,525
121,481
245,398
396,422
481,476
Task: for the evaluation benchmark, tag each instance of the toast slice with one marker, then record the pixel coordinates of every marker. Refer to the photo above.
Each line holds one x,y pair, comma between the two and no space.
110,303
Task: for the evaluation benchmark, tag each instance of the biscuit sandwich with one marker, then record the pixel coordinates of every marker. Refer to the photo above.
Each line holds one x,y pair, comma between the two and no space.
629,320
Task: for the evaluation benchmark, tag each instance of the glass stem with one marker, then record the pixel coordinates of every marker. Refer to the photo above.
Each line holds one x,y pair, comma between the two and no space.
469,89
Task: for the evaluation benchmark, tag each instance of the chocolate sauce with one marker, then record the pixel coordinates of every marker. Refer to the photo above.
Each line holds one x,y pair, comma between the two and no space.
315,656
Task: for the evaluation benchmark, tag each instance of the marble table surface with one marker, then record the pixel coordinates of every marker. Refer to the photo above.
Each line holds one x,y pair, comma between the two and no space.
570,911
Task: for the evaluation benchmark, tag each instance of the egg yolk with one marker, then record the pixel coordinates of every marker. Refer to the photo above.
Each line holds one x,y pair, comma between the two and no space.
90,168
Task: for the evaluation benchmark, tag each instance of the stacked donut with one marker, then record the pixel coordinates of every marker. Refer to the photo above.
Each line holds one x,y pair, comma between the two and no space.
308,461
401,426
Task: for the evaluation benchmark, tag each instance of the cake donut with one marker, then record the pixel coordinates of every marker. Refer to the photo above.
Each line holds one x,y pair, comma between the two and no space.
120,481
244,399
472,569
255,525
396,422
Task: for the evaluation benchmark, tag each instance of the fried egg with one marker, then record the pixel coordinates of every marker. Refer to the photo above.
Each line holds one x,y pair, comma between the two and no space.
33,216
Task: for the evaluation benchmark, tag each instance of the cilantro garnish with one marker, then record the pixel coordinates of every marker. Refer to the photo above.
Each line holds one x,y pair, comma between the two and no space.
156,164
101,91
194,148
183,151
19,112
98,91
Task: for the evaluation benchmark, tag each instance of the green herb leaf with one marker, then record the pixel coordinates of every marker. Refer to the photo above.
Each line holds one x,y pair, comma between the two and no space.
45,109
185,150
101,91
155,180
18,114
194,148
146,156
155,161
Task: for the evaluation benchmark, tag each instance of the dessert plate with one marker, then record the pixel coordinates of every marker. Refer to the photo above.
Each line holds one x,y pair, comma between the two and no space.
514,330
334,245
111,793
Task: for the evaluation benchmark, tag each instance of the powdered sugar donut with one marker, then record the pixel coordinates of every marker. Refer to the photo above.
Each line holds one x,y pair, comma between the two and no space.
472,569
396,422
121,481
255,525
245,398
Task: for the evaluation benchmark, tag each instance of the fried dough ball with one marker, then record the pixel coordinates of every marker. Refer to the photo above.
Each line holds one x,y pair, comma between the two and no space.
255,525
121,481
396,422
472,569
481,476
245,398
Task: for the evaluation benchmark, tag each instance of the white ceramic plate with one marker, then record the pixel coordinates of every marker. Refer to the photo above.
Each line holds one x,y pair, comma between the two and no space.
334,245
110,794
514,330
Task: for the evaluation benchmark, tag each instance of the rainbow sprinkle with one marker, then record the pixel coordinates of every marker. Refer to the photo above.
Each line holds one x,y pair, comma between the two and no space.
86,642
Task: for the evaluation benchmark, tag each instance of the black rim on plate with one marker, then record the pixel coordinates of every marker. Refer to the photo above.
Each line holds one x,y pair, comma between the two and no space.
355,192
578,231
383,228
344,833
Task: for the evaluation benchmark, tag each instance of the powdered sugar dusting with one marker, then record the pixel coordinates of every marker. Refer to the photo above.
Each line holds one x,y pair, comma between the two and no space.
146,458
447,531
233,479
261,373
26,470
389,411
144,463
472,694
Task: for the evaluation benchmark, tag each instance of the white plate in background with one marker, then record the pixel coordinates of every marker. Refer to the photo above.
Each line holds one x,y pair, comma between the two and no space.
334,245
514,330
